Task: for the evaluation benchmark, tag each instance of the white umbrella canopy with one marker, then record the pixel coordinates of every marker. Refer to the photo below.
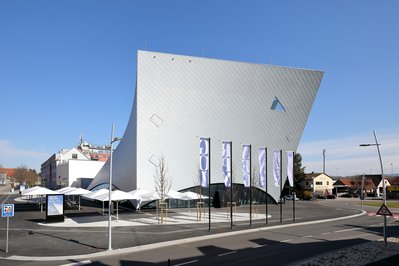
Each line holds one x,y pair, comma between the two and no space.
116,195
95,193
77,191
139,193
30,189
142,196
173,194
64,189
39,191
189,195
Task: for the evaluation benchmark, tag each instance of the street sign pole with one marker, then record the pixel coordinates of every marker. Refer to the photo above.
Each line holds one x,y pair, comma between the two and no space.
8,222
7,211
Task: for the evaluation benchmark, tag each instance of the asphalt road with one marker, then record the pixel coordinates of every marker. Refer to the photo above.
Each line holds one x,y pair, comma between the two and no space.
272,246
282,246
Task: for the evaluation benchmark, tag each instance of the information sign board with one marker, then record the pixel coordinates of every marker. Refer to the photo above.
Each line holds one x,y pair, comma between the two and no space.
7,210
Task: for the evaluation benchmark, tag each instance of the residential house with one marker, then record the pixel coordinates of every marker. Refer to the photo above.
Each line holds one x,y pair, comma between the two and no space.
318,183
74,167
372,185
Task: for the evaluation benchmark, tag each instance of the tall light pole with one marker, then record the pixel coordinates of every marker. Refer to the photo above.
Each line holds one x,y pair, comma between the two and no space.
324,161
110,188
384,198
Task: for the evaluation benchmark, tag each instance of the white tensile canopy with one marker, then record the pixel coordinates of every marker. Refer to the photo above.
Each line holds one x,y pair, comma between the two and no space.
38,191
95,193
64,189
173,194
189,195
30,189
142,196
116,195
77,191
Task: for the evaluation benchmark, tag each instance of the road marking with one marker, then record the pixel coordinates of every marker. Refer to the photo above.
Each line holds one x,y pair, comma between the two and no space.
227,253
187,262
347,230
259,246
287,240
307,236
327,233
6,198
77,263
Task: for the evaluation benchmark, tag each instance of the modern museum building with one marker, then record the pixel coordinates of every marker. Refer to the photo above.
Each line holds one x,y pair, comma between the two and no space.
180,99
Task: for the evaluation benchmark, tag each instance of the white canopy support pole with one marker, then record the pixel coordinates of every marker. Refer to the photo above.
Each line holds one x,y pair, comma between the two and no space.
79,202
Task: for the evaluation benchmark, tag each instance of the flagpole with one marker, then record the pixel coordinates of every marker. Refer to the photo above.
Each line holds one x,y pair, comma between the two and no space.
281,186
209,184
293,187
250,186
267,210
231,185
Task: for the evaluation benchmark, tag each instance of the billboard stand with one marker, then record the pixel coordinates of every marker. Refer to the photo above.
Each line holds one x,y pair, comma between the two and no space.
55,208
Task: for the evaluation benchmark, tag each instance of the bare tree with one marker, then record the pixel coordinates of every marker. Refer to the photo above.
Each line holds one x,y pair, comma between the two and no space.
24,175
161,180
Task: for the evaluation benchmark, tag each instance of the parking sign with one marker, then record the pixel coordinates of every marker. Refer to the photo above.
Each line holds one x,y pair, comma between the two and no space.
7,210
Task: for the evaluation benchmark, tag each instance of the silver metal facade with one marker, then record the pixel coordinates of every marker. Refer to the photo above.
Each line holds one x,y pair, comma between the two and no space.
181,98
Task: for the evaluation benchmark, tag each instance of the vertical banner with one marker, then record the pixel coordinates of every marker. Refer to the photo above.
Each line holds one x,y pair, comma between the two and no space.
276,167
226,153
262,167
246,164
204,162
290,167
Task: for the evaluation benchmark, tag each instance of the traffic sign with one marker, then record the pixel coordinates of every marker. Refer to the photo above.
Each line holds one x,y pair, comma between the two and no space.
384,211
7,210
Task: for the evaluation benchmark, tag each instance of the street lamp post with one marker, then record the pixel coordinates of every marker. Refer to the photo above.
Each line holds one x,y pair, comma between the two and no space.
110,188
384,198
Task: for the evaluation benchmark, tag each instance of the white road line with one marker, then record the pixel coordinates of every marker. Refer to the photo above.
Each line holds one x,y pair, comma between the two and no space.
227,253
259,246
347,230
187,262
77,263
287,240
307,236
327,233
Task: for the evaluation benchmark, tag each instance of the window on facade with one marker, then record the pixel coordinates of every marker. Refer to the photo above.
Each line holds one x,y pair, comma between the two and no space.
307,183
328,183
277,106
74,156
319,183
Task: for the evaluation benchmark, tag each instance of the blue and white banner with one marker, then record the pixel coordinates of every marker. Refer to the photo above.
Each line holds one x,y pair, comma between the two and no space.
226,155
276,167
262,167
290,167
204,162
246,164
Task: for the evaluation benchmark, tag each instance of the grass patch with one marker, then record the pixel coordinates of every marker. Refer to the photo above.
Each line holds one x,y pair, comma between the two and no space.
378,203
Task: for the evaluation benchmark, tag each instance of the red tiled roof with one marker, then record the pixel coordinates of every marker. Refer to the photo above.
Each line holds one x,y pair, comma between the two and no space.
8,171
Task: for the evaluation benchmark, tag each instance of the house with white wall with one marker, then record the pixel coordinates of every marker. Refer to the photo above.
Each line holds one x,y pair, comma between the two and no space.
318,183
72,167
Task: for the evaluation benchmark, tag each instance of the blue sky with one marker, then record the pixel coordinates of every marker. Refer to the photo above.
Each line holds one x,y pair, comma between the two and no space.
68,67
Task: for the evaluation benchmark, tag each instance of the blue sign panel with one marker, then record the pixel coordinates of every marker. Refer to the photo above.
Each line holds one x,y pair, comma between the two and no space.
7,210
